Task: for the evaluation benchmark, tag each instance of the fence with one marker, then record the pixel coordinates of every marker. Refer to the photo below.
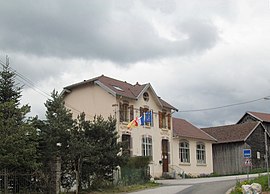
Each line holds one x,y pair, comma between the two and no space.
130,176
12,182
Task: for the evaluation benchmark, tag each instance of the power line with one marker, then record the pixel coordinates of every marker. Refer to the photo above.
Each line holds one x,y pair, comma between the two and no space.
224,106
21,78
33,86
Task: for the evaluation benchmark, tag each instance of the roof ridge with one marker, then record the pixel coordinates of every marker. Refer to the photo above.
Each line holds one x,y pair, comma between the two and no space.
231,125
117,80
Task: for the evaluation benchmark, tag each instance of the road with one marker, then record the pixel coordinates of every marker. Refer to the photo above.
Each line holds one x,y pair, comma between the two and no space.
220,187
214,185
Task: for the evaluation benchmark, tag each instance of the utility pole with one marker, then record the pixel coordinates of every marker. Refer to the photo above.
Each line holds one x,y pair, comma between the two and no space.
266,156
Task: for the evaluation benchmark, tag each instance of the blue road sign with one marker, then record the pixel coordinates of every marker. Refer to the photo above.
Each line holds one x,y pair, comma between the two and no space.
247,153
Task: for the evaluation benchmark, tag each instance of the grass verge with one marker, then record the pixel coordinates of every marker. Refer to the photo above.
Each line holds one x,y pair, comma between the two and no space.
262,180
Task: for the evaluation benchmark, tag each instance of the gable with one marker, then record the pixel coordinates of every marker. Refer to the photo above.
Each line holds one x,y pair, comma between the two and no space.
119,88
255,116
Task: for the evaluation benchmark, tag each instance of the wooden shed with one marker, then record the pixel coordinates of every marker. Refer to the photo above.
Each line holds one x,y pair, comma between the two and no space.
228,157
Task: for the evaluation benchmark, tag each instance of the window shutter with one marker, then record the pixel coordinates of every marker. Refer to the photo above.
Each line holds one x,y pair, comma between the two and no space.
131,112
160,119
169,121
152,118
121,112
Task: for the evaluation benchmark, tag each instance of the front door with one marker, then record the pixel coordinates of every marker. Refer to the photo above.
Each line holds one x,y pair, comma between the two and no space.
165,155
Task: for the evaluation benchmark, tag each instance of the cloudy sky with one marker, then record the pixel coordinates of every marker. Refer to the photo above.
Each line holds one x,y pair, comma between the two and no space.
196,54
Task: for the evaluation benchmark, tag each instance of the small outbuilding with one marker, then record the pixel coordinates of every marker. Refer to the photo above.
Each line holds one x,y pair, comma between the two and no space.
228,157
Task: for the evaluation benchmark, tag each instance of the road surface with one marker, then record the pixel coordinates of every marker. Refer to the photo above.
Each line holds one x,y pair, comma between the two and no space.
214,185
220,187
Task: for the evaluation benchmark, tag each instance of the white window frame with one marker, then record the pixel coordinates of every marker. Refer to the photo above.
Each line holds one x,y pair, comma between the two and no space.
184,151
147,146
200,153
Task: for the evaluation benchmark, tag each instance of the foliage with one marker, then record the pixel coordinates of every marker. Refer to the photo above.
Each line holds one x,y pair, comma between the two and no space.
262,180
80,147
136,171
18,140
54,138
104,158
138,162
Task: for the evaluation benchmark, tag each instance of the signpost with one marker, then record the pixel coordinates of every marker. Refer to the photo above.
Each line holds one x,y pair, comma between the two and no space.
247,156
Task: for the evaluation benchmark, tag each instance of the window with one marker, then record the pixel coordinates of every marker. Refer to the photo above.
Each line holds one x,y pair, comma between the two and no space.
146,96
147,146
118,88
164,120
126,145
200,153
124,112
184,155
147,116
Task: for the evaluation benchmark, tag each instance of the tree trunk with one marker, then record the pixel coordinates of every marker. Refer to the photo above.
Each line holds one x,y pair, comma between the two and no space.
78,175
58,175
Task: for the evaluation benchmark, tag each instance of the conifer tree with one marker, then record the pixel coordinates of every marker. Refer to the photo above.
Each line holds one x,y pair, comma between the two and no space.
81,147
54,140
18,138
105,157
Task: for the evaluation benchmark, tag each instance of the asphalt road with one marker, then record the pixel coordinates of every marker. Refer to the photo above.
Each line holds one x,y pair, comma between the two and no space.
199,188
214,185
220,187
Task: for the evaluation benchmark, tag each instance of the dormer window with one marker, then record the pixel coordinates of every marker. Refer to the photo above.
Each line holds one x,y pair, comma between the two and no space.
146,96
118,88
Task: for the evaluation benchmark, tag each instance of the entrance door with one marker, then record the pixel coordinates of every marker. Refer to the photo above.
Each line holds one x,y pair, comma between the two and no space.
165,155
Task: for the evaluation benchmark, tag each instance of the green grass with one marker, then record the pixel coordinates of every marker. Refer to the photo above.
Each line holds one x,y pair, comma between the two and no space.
262,180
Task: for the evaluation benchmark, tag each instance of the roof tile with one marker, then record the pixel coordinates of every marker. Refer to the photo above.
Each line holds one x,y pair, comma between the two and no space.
120,88
261,116
183,128
231,133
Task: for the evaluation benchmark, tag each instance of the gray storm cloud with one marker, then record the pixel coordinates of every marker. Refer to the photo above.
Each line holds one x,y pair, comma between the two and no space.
95,29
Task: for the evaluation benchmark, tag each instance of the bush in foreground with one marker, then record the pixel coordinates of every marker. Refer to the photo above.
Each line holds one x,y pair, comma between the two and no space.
262,180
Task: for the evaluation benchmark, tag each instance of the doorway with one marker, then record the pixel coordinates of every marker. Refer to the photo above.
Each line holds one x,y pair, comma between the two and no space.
165,155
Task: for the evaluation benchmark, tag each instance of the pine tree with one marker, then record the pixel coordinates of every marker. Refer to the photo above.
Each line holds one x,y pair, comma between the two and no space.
54,139
105,157
18,138
81,148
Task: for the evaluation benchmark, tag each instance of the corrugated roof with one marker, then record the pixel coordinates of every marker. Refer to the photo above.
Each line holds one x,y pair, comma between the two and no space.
183,128
231,133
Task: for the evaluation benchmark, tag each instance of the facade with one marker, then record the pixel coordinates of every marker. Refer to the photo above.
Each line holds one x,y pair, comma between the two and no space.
228,157
110,97
192,149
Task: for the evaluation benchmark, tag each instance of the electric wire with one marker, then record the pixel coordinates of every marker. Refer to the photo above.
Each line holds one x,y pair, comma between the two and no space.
33,86
21,78
224,106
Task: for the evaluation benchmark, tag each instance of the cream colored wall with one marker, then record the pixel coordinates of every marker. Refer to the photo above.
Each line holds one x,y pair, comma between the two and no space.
156,133
92,99
193,168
